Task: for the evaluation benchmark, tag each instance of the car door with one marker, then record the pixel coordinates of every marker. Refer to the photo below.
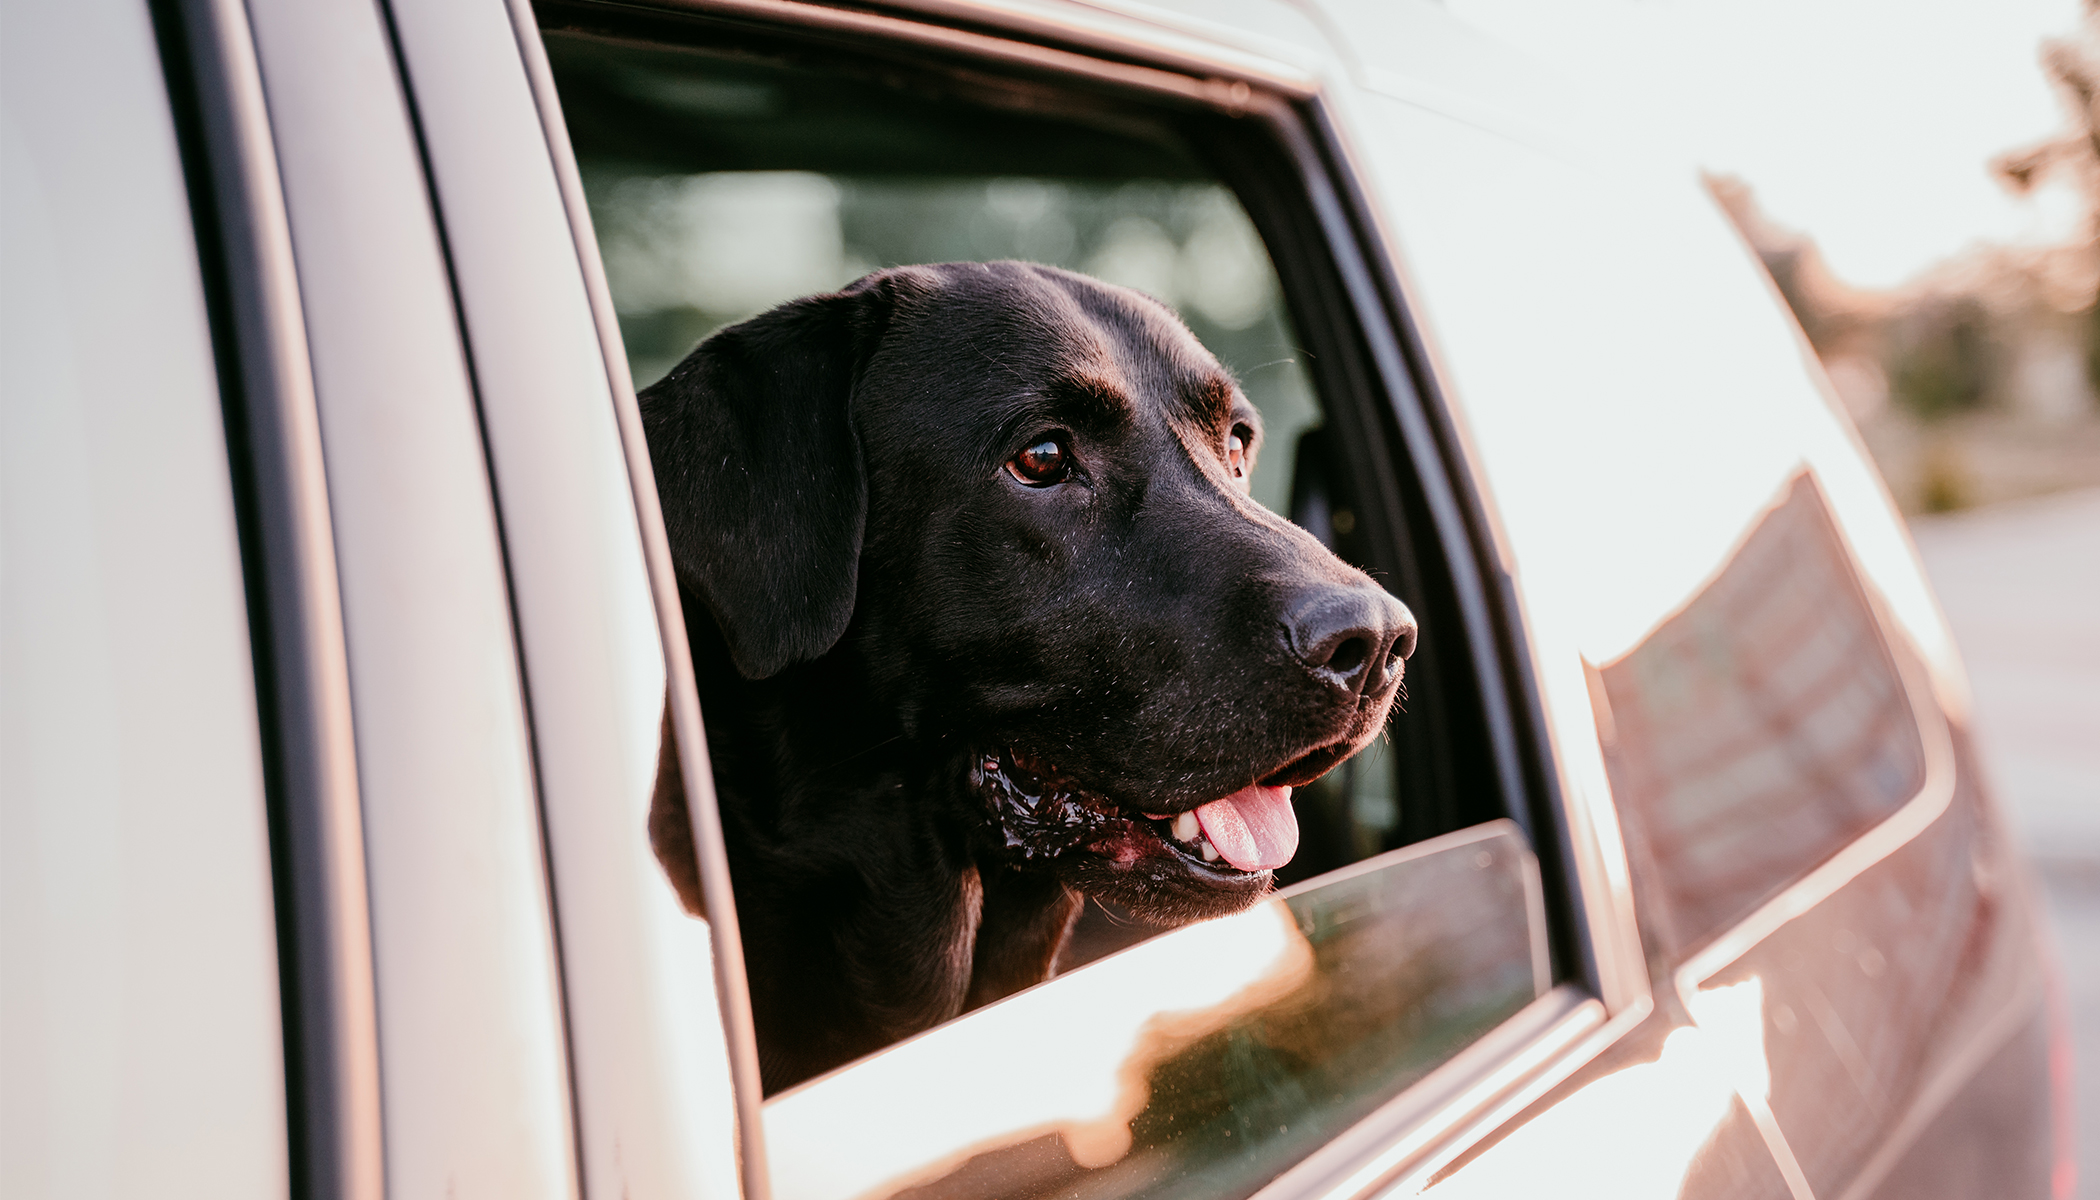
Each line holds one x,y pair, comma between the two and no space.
141,1016
1510,906
426,1048
1418,1114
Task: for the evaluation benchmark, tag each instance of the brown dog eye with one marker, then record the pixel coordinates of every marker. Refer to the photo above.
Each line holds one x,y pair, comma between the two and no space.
1042,464
1236,451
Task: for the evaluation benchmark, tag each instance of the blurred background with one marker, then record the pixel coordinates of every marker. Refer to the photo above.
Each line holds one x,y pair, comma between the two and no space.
1923,182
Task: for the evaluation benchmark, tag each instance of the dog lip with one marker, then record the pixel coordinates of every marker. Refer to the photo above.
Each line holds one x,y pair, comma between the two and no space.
1296,773
1309,766
1216,870
1053,814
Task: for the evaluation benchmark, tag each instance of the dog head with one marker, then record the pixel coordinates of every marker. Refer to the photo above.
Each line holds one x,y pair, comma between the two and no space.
1020,496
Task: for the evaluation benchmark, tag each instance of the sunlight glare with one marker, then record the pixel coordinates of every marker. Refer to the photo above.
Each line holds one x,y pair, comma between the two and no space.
1633,1134
1087,1041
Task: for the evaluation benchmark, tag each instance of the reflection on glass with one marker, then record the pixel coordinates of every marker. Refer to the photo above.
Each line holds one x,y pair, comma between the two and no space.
1641,1133
1757,730
1201,1063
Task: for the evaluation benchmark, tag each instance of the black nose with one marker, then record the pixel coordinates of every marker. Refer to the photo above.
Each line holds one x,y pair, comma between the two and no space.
1352,637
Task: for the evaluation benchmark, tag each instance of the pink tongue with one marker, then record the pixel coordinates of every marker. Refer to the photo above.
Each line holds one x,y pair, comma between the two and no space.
1254,828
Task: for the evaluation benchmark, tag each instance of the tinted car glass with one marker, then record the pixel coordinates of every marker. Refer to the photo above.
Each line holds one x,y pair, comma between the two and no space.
1757,730
1201,1063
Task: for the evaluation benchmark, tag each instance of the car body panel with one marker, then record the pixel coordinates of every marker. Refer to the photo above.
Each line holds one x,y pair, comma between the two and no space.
655,1110
141,1040
473,1074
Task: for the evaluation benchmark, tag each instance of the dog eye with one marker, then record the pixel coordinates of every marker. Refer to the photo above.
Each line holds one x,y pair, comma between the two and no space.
1236,450
1042,464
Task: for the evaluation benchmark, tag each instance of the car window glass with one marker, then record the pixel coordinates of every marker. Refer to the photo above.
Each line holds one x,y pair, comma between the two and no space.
1757,730
720,185
1201,1063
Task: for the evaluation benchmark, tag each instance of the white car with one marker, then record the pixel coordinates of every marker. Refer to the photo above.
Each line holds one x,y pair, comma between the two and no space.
336,625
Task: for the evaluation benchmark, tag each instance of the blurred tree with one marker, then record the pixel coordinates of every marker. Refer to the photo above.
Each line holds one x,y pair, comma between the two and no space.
1942,358
1824,307
2073,65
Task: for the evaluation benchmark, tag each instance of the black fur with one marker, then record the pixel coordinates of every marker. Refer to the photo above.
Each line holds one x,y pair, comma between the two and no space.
878,606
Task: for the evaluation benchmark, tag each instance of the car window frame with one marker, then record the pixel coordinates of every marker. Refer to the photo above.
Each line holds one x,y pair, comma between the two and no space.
146,920
1499,1075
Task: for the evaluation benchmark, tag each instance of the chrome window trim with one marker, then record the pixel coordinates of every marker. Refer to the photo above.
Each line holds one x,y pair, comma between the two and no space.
1412,1176
1222,78
1303,114
1173,41
332,1027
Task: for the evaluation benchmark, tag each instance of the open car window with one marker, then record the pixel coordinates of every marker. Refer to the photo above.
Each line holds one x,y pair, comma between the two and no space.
1201,1063
729,169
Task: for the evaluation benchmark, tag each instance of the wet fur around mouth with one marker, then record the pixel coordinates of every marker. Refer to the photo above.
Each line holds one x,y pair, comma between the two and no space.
945,701
1044,819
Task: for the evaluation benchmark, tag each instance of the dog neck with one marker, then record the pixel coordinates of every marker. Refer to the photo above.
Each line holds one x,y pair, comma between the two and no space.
857,856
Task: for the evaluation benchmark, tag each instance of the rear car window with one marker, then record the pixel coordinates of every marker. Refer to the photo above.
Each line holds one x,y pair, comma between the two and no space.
1758,730
722,184
1202,1063
727,172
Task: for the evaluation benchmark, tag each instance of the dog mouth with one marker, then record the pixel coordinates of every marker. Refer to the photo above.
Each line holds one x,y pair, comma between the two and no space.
1042,814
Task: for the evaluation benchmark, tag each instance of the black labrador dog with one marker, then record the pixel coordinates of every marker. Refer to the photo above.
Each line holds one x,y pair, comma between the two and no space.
985,620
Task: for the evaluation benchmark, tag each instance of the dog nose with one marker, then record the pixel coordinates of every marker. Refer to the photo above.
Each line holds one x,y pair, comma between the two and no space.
1353,637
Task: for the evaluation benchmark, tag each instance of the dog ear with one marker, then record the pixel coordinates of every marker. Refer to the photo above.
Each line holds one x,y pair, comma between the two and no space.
758,465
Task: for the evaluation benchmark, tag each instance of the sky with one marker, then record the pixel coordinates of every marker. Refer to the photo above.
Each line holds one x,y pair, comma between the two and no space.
1867,124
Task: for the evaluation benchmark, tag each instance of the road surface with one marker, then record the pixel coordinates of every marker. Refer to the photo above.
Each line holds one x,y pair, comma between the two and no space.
2020,583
